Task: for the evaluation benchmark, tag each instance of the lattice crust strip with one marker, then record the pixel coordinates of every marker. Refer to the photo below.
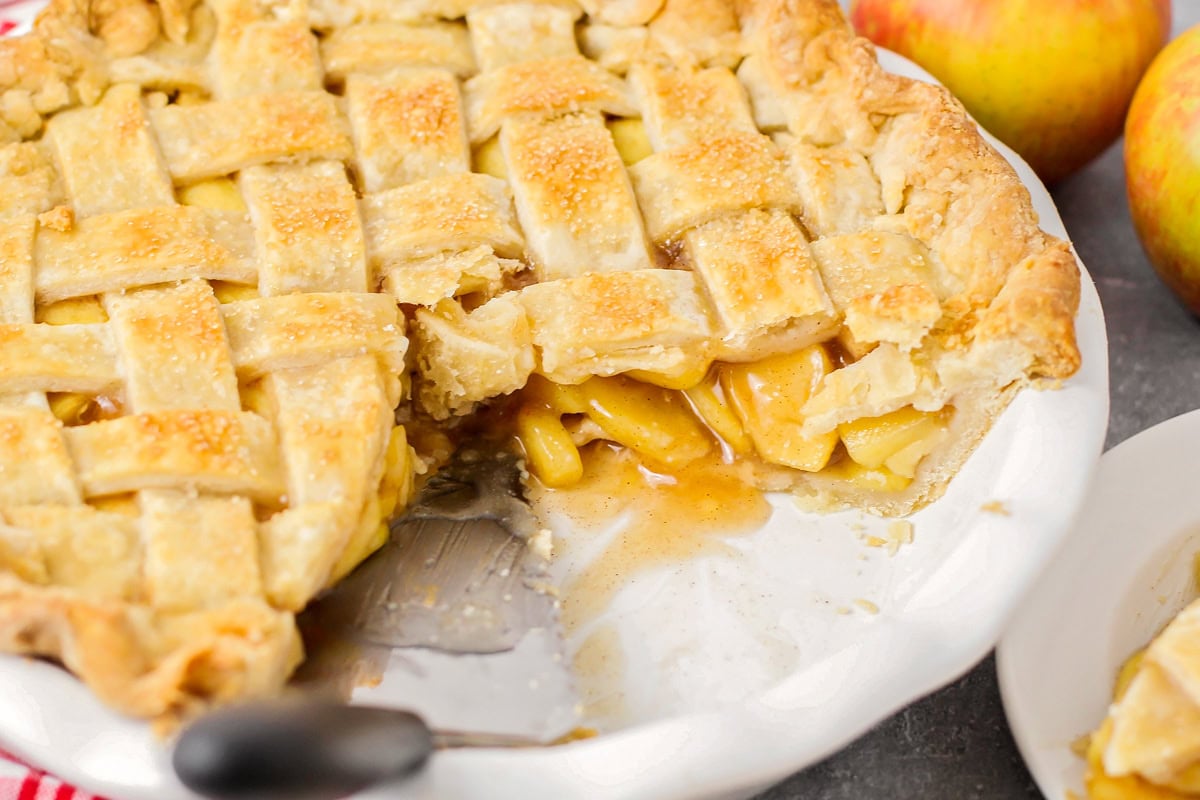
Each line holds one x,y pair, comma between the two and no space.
240,207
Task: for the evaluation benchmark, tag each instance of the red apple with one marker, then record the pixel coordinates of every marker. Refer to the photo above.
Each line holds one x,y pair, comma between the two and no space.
1162,165
1050,78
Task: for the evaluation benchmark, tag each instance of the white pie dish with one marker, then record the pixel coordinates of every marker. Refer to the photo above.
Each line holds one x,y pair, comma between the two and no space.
1125,570
804,680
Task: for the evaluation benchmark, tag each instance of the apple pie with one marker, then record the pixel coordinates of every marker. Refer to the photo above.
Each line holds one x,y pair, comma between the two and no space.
1148,748
263,263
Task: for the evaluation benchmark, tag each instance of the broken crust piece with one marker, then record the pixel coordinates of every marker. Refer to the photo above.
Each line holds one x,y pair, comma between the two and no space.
901,315
212,265
467,358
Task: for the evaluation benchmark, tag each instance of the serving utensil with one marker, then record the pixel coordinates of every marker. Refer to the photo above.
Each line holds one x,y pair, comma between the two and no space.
451,625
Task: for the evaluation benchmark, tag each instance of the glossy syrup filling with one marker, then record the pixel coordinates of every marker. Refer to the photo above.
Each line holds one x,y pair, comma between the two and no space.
737,413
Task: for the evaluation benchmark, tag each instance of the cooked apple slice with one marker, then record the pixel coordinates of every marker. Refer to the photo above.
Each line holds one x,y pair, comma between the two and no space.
880,480
709,403
898,440
629,135
767,396
650,420
550,453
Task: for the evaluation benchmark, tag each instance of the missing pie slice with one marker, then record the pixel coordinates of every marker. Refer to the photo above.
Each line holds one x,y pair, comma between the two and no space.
241,239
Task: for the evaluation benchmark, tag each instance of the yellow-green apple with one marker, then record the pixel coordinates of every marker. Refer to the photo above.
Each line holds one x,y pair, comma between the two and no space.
1051,78
1162,165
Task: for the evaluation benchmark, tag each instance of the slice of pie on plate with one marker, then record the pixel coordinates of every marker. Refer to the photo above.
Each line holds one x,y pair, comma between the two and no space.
241,240
1148,747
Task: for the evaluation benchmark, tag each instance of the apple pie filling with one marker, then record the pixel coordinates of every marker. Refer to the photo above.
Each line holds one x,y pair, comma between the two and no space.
738,412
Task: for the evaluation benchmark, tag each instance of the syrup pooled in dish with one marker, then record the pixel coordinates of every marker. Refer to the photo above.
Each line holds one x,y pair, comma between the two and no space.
625,520
264,259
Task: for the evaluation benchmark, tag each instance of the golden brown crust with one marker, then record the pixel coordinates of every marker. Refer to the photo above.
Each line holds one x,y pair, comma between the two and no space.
941,182
1037,307
59,65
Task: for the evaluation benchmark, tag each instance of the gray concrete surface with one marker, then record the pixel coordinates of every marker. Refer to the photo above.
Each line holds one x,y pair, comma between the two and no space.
955,744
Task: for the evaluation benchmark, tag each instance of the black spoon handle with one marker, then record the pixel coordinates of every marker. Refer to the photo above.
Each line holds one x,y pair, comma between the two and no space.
301,751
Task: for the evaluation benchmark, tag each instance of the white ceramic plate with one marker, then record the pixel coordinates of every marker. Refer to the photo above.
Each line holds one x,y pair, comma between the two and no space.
1123,573
738,670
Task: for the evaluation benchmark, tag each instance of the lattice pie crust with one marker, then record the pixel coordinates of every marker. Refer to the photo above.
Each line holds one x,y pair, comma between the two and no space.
232,233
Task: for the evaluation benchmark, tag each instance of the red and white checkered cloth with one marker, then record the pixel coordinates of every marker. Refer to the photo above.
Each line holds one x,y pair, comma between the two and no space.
19,781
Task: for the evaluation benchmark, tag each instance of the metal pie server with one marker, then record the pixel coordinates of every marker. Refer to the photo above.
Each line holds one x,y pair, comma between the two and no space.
450,621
